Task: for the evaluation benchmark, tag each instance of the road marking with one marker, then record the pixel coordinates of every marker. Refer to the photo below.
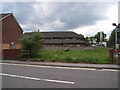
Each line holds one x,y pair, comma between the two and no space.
38,79
110,70
26,65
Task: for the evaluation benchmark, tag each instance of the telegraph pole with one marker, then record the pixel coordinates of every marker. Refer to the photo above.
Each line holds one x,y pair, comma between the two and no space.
100,38
117,29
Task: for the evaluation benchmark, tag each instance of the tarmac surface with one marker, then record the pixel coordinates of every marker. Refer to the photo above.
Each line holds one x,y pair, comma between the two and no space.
22,74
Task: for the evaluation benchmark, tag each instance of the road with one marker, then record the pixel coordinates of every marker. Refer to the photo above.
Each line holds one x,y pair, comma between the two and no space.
33,76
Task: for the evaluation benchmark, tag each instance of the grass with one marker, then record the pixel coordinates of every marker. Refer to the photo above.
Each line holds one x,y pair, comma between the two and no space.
98,56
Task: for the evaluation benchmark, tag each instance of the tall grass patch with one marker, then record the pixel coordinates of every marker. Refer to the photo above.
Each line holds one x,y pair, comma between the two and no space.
99,56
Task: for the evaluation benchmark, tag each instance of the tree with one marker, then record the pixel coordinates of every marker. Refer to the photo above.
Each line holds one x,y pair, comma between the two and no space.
89,41
82,36
32,44
97,37
111,41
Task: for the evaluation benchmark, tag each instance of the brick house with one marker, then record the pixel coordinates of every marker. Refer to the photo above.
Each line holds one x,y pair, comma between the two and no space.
61,38
11,32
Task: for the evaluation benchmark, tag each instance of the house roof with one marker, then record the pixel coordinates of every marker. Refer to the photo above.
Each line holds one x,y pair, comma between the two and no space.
3,15
57,34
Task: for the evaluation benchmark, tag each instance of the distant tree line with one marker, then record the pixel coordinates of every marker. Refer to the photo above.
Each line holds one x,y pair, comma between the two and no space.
111,42
96,39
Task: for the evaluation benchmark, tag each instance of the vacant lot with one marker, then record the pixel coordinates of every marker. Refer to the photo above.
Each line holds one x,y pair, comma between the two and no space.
99,55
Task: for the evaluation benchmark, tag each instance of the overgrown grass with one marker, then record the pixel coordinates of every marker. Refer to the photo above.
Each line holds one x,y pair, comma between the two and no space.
99,55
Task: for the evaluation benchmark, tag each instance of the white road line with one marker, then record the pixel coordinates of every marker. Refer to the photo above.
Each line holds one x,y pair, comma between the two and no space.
38,79
26,65
110,70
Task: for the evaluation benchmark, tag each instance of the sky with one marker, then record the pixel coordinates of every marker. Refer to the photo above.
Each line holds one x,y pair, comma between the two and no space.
85,18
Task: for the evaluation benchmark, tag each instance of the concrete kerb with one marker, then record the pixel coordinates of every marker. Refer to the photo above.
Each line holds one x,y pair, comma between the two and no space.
73,65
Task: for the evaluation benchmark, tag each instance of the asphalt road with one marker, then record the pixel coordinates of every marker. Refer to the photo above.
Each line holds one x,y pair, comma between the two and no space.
31,76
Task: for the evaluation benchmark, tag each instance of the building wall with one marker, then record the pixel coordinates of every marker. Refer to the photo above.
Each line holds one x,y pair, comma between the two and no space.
65,44
11,32
11,54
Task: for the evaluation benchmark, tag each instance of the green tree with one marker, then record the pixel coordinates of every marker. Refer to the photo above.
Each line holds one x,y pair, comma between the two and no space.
97,37
111,41
89,40
32,44
82,36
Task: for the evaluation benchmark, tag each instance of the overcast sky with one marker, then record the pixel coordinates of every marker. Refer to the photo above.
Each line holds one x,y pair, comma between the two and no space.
86,18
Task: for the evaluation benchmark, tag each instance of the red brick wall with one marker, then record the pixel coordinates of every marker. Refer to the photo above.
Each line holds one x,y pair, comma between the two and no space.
11,31
11,54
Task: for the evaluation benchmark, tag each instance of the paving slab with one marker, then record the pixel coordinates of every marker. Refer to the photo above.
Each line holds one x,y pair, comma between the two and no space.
79,65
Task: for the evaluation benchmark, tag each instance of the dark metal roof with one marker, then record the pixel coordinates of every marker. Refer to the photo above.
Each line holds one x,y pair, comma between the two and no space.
3,15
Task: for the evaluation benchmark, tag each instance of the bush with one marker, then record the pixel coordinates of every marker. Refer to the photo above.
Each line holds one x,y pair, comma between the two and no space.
32,45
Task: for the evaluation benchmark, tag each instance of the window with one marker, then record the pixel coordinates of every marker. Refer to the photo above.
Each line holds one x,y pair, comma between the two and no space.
55,37
12,45
69,38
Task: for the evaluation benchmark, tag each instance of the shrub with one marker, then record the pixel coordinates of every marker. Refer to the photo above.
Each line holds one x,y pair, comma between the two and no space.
32,45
